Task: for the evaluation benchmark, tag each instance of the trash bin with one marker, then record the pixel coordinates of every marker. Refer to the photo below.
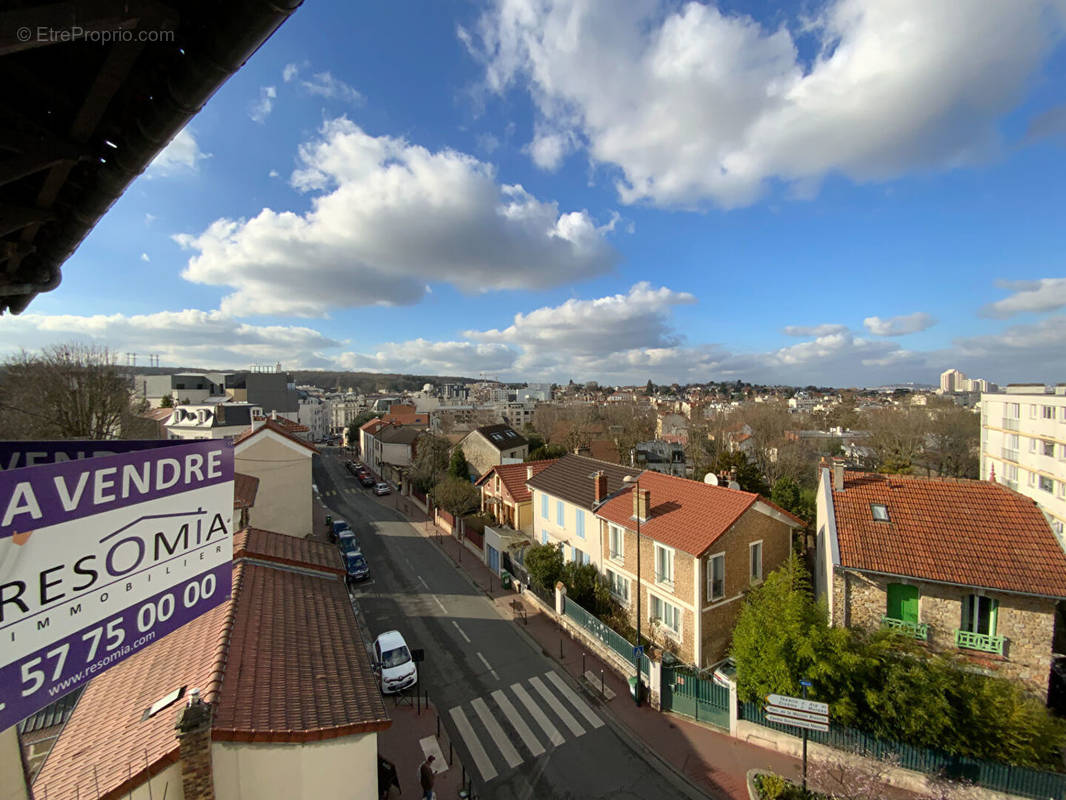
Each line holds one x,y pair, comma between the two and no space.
634,686
329,522
505,579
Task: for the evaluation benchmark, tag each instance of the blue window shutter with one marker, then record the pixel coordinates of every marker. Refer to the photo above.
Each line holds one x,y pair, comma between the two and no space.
580,522
544,506
560,514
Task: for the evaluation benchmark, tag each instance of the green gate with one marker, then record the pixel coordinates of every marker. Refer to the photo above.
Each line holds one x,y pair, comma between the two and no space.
684,692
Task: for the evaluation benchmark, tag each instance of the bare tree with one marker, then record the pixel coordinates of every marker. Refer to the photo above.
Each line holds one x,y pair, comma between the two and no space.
897,437
67,391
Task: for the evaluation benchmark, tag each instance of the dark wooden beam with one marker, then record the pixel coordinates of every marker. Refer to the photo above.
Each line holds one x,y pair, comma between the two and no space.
14,217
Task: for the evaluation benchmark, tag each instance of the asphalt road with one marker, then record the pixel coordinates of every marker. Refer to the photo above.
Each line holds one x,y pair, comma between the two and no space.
522,728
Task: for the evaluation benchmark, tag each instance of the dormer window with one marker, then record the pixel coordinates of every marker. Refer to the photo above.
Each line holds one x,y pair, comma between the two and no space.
879,511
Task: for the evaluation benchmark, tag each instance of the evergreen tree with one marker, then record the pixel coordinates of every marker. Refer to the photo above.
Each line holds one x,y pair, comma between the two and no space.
458,467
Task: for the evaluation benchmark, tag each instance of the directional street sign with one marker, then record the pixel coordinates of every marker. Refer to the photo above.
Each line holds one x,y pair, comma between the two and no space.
792,713
798,723
798,704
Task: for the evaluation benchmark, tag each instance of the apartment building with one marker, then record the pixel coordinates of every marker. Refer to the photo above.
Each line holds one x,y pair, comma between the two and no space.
1023,445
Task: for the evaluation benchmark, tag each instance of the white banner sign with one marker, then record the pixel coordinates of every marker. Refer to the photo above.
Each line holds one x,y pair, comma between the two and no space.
798,703
794,714
798,723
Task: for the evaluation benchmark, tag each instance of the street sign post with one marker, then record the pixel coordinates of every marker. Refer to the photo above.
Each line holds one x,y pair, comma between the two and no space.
799,712
100,557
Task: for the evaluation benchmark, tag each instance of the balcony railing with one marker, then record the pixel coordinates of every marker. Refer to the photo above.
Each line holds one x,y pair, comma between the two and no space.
919,630
1009,454
1010,424
980,641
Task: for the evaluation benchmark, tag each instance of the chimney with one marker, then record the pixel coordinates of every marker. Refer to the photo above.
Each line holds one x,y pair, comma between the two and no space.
599,481
529,473
641,504
838,474
194,749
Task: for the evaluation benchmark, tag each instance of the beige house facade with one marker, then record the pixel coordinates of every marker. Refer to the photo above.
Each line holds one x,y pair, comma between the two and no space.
490,445
282,463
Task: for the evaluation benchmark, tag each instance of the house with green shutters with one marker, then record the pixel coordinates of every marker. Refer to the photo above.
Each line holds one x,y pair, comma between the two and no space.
962,566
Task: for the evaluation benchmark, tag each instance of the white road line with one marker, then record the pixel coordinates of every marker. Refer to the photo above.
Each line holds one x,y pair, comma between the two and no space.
575,701
423,581
557,707
439,603
477,752
519,724
510,755
534,710
461,632
488,666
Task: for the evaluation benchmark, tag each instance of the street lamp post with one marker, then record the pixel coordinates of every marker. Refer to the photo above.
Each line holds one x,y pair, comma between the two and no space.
637,651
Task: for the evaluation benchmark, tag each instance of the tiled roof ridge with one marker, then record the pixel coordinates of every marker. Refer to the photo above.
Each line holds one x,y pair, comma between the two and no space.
599,461
211,692
278,429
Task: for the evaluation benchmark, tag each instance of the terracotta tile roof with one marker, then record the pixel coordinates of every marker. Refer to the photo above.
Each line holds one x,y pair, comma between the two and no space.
284,549
967,532
272,425
283,661
570,479
604,450
105,738
372,425
290,426
685,514
296,667
245,488
514,476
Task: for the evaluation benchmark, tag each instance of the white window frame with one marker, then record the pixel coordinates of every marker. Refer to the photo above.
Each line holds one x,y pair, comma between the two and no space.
577,556
668,554
674,633
711,596
614,581
620,555
755,575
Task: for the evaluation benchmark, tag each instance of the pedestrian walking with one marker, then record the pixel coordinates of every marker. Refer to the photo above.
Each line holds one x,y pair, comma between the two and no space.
426,776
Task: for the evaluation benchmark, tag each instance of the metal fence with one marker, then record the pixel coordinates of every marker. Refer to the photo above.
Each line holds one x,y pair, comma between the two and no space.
610,637
685,692
988,774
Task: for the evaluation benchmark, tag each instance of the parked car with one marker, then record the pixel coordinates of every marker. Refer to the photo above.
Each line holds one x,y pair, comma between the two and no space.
356,566
353,467
340,525
724,673
347,542
367,479
382,488
394,663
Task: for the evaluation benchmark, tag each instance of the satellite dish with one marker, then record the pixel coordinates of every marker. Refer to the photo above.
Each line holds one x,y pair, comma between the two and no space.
734,485
711,479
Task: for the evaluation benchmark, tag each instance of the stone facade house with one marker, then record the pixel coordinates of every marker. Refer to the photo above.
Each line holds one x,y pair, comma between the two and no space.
966,567
505,495
490,445
701,548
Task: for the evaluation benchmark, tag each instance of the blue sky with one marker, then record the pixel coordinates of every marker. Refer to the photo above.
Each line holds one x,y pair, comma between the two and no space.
846,193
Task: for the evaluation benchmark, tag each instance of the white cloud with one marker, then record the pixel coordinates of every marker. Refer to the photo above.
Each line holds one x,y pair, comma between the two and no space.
181,156
727,104
487,143
423,357
273,174
899,326
262,107
187,338
149,219
323,84
1046,294
289,73
389,218
813,330
1018,353
145,258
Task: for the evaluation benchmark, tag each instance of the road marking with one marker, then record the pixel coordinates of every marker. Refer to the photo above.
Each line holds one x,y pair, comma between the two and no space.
534,710
488,666
423,581
461,633
439,603
477,752
510,755
519,724
557,707
575,701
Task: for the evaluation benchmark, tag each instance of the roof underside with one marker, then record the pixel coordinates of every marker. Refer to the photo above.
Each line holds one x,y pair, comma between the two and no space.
80,120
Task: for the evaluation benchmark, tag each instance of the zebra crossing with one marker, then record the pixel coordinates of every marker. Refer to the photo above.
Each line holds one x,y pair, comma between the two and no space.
532,727
335,492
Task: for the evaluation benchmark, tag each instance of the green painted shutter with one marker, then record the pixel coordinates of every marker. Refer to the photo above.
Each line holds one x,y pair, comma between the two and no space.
902,602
